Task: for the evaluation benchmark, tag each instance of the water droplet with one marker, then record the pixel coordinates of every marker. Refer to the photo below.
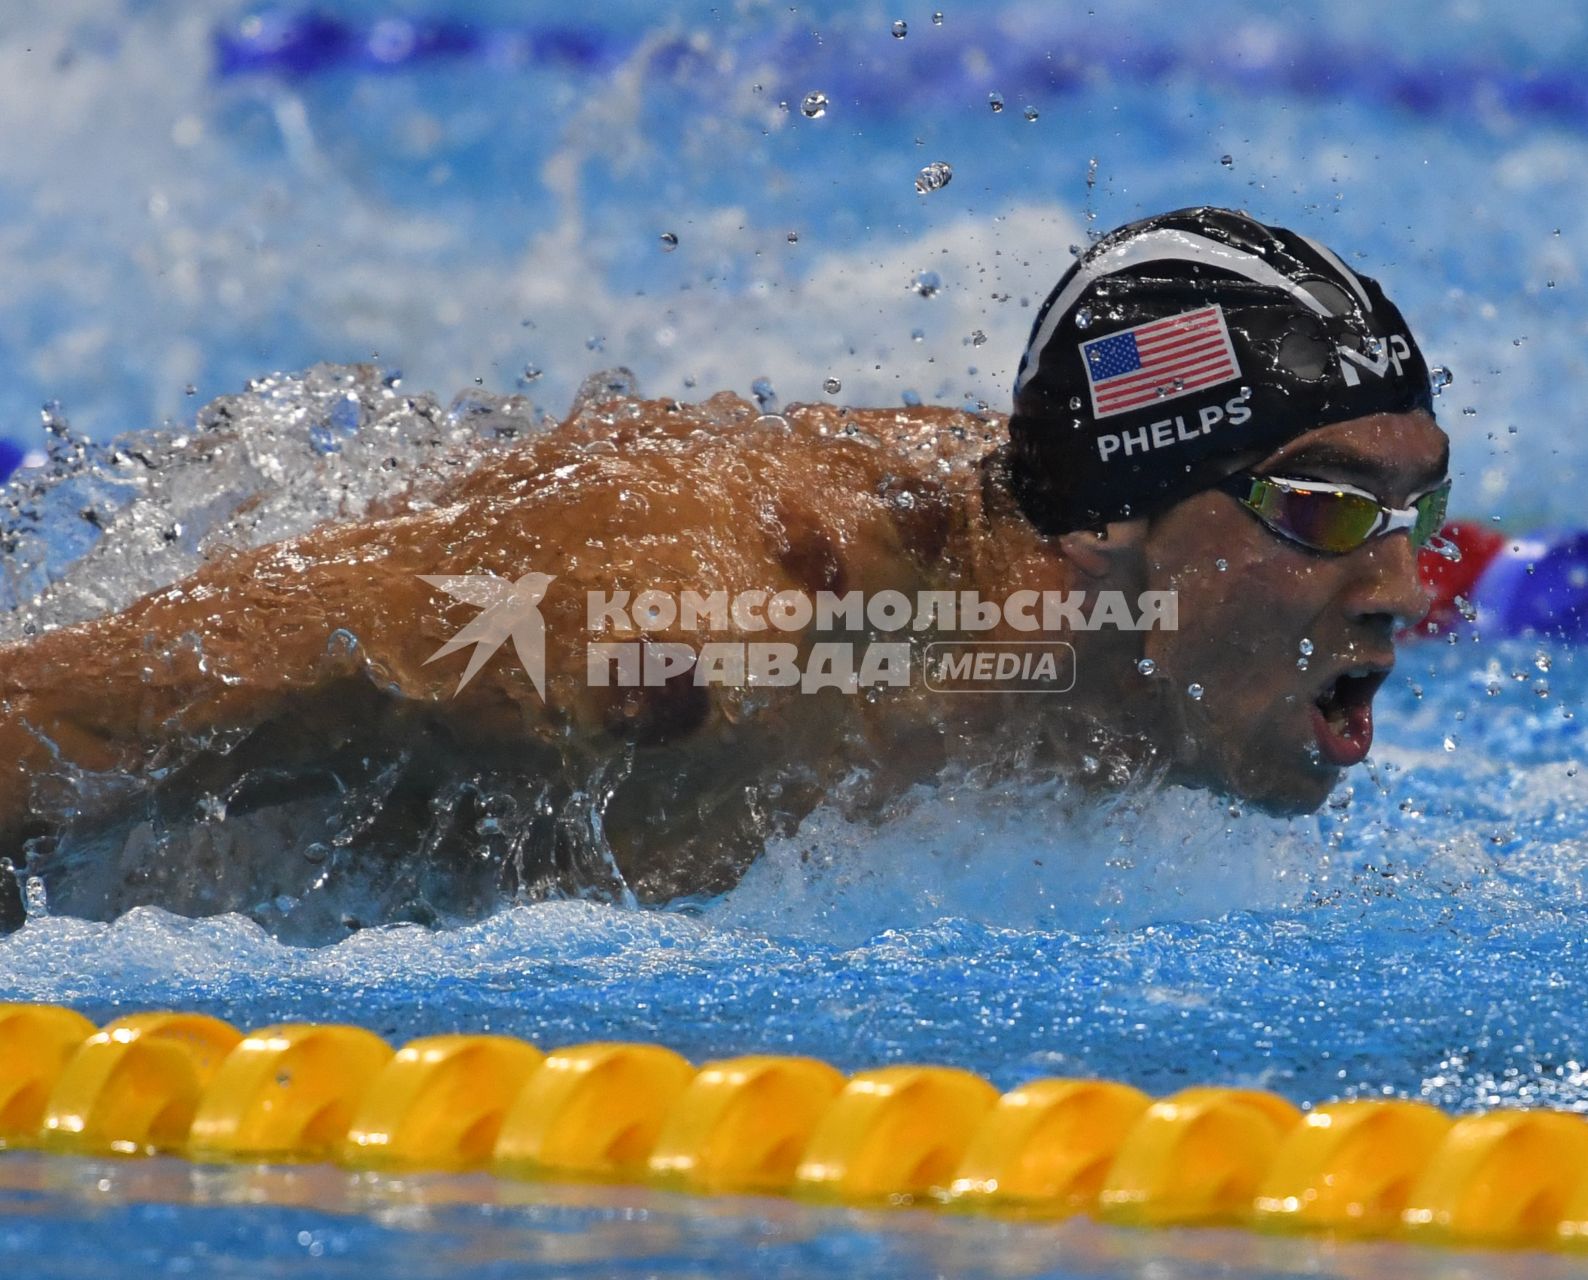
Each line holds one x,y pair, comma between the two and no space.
1146,666
901,28
1030,114
1228,161
1221,564
1194,692
815,105
1305,646
1075,402
978,338
765,396
530,374
793,237
937,21
669,241
1541,661
1451,742
996,102
1083,318
832,386
934,177
595,342
190,389
926,283
1440,377
917,335
1245,393
316,853
1179,384
1469,412
1302,664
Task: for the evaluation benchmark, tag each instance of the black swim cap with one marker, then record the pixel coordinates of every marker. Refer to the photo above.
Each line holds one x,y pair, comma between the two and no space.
1176,344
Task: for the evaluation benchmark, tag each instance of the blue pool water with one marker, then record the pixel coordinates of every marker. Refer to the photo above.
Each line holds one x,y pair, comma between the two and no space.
193,200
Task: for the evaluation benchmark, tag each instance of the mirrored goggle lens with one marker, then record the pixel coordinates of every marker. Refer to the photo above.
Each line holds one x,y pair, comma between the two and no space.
1430,514
1322,518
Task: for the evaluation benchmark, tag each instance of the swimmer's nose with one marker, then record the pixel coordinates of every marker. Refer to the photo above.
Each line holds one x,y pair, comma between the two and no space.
1387,591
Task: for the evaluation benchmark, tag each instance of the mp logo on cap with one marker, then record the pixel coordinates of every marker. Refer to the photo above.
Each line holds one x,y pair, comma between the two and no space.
1391,351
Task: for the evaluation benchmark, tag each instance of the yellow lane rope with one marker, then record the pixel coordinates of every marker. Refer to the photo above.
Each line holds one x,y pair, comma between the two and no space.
191,1085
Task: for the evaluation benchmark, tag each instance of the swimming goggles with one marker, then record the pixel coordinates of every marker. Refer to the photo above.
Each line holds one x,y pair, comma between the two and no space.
1334,518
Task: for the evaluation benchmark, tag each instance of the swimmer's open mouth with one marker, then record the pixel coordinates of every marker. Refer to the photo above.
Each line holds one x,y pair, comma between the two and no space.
1342,714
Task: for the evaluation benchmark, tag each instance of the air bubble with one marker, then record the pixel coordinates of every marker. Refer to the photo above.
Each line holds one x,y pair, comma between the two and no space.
934,177
814,106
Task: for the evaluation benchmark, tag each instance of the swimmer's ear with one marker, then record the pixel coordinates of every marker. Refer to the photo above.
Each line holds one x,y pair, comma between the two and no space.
1115,550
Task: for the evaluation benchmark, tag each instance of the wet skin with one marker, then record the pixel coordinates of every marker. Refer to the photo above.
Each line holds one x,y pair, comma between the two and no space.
233,669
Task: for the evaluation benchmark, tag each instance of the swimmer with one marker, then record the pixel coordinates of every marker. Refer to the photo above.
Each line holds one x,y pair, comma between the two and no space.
1210,412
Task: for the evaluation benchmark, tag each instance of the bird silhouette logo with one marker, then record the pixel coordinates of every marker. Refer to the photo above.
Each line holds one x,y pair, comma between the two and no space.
509,611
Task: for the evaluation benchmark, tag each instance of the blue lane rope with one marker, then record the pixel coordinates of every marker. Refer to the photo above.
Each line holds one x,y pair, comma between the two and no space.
296,43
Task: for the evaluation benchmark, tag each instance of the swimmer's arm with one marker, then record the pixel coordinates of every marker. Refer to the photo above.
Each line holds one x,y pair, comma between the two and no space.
256,640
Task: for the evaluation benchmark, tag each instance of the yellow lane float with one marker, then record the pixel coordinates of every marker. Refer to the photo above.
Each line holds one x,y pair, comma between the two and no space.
191,1085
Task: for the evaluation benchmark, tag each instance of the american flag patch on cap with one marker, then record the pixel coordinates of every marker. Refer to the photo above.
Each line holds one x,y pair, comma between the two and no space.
1159,360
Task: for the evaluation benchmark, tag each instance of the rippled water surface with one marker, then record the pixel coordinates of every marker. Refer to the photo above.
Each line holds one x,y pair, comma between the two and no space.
175,220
